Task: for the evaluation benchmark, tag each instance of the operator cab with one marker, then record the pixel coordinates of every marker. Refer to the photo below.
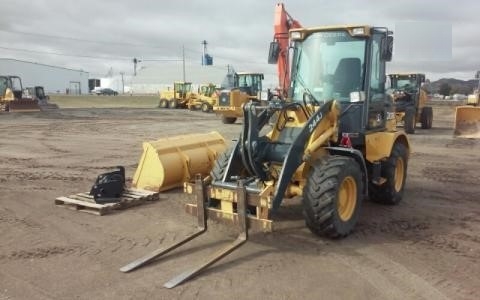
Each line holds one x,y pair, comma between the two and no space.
250,83
182,88
331,64
405,89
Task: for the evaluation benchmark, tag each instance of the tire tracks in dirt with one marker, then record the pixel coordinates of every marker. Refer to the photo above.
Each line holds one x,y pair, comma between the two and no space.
8,219
391,279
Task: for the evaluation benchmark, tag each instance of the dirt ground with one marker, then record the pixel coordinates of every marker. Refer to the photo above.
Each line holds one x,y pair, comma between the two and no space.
427,247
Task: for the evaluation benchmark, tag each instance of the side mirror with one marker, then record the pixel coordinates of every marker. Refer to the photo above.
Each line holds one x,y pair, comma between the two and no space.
273,52
387,48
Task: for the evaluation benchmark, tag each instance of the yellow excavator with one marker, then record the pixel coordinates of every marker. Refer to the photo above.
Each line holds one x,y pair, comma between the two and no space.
11,96
247,86
467,117
334,143
410,101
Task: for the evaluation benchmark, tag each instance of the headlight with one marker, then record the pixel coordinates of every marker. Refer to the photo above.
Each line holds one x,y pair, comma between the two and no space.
295,35
358,31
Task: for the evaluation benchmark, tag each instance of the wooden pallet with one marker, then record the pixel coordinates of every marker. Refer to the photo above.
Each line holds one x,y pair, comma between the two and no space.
85,202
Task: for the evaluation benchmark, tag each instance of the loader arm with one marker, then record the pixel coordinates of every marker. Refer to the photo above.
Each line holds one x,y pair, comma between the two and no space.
253,149
295,155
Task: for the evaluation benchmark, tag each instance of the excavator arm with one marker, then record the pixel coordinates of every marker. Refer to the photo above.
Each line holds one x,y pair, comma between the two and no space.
283,22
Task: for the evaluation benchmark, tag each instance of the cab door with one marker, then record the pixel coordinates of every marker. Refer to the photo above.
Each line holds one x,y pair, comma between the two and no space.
377,108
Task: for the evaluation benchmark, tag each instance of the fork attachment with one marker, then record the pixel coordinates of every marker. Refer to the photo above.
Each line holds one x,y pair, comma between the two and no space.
200,195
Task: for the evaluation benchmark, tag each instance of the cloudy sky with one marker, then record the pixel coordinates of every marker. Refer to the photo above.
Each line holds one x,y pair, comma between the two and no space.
97,36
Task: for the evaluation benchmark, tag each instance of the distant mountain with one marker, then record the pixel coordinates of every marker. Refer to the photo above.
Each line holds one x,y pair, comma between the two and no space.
458,86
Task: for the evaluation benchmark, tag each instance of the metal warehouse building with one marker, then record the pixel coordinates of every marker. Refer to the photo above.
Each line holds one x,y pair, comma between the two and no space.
53,79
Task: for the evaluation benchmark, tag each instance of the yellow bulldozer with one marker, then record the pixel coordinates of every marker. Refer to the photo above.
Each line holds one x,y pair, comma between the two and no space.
179,97
38,93
334,143
11,96
205,99
247,86
410,101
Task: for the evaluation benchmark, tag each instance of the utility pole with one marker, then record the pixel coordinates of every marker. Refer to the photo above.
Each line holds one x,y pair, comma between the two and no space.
477,76
204,43
135,62
123,83
183,59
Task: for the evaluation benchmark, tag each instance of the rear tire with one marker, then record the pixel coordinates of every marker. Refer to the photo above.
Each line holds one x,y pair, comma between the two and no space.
228,120
332,196
205,107
394,169
427,117
172,103
409,120
163,103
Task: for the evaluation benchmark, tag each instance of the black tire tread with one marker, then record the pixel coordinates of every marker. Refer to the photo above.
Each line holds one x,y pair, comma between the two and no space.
409,120
320,192
386,193
427,117
228,120
220,165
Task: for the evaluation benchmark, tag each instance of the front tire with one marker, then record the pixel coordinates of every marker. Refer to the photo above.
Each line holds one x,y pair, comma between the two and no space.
427,117
394,169
409,120
332,196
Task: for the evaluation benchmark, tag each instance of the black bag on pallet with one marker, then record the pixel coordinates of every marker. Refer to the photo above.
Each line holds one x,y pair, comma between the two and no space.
109,187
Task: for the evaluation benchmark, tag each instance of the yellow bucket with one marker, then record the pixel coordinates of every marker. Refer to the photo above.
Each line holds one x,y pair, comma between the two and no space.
169,162
467,121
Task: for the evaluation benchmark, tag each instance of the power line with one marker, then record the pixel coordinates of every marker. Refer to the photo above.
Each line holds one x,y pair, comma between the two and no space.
121,43
88,56
82,40
65,54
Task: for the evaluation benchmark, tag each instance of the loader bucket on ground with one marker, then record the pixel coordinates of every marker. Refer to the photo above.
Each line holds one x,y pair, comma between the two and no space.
23,105
169,162
467,122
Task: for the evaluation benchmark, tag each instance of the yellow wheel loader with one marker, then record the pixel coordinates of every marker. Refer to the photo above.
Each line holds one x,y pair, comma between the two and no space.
205,99
178,97
334,143
247,86
410,101
11,96
467,117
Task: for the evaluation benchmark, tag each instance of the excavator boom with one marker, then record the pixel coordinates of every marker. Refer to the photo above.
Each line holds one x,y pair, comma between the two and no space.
283,22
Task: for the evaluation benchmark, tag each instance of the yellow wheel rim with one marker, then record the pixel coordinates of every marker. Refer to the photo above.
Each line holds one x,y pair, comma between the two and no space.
399,174
347,198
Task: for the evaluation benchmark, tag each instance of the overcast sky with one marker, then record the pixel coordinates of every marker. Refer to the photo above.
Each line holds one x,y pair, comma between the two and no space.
99,35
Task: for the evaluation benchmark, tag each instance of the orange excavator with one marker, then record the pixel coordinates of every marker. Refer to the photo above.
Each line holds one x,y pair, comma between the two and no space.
278,53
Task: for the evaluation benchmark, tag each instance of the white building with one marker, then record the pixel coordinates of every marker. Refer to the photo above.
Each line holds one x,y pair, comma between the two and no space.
53,79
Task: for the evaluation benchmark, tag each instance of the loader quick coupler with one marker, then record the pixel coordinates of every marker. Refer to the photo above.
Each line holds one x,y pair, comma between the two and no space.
202,214
109,187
